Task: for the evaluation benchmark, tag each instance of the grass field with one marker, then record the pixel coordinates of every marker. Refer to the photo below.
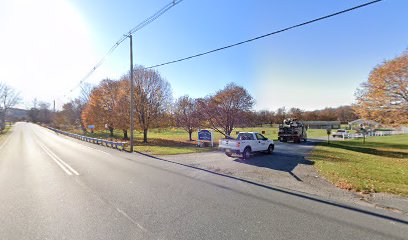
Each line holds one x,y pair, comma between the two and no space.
175,140
6,129
379,165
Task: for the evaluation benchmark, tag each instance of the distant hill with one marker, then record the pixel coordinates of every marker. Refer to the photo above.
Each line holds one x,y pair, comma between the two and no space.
16,114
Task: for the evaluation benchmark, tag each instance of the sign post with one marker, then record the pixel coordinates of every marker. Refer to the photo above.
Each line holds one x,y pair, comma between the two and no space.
198,139
212,138
363,131
92,127
205,135
328,130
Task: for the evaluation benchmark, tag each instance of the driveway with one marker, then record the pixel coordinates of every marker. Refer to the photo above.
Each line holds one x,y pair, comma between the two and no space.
289,168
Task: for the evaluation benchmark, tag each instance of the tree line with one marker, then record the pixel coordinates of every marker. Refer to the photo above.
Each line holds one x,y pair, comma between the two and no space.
8,99
106,106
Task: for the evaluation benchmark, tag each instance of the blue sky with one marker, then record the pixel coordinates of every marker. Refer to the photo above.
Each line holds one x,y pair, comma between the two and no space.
311,67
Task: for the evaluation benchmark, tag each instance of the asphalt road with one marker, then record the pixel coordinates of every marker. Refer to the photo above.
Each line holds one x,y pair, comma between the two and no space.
52,187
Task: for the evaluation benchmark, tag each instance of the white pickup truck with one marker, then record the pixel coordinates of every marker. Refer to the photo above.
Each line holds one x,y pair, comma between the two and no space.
245,144
341,133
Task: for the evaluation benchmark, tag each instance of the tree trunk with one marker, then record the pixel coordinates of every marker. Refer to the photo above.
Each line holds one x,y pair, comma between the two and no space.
84,130
125,134
145,135
190,132
228,131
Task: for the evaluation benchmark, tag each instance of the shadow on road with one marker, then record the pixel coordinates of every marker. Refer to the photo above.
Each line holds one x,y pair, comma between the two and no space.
284,191
277,161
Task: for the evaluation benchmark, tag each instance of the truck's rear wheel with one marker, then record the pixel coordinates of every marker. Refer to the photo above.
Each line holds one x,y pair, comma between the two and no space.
270,149
247,153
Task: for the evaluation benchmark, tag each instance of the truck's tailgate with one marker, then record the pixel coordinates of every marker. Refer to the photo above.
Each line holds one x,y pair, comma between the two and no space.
228,144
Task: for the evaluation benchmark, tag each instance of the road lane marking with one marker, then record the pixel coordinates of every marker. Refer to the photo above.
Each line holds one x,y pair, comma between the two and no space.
132,220
64,163
56,161
71,140
68,169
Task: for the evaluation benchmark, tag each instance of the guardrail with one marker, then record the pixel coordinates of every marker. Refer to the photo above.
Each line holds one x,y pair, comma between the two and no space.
112,144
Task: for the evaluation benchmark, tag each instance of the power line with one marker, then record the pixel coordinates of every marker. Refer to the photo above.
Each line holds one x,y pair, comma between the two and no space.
125,36
266,35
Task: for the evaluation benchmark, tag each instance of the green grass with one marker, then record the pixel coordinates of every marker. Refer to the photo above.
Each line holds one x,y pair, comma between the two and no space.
379,165
169,150
175,140
6,129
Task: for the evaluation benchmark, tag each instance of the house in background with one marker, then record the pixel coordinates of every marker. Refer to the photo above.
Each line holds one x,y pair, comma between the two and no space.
322,124
356,124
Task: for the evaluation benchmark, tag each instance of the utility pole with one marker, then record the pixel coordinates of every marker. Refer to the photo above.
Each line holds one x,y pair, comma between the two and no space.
54,106
132,87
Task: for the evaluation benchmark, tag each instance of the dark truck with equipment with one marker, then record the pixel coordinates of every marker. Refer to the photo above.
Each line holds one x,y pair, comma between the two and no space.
292,130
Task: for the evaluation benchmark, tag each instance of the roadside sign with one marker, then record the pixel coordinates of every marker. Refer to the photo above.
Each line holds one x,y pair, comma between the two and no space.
91,126
204,135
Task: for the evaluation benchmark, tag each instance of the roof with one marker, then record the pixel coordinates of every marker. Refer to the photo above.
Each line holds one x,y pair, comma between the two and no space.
321,122
363,121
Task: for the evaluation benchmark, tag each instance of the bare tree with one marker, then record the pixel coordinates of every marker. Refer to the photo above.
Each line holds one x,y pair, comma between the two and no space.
264,116
226,109
86,89
41,114
8,99
296,113
280,115
185,115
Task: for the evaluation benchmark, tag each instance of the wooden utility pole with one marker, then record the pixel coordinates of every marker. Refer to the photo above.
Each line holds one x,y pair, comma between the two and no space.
132,87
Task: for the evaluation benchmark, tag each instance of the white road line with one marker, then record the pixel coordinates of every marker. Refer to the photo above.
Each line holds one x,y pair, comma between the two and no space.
68,169
132,220
64,163
74,142
56,161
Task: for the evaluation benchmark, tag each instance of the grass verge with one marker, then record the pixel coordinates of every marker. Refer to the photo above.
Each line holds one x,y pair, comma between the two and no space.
6,129
170,141
172,150
379,165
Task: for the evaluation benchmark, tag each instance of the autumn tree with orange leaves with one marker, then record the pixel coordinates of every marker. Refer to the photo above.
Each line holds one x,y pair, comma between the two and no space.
227,109
152,99
384,97
186,115
102,108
